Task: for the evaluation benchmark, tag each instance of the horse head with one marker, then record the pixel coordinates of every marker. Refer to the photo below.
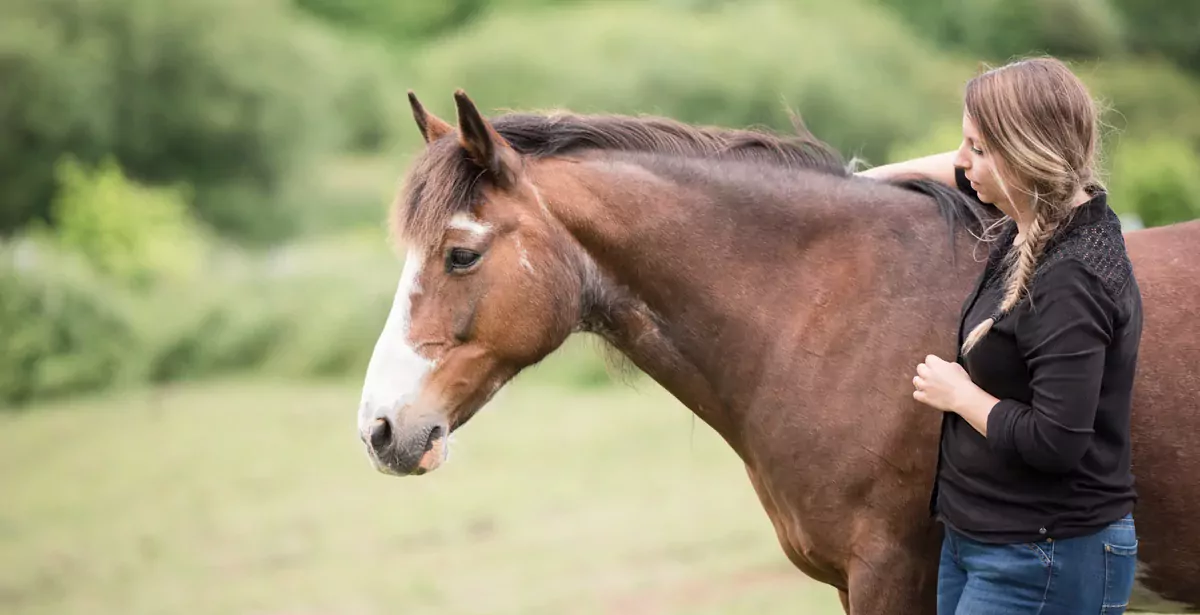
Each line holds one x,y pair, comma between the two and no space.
488,287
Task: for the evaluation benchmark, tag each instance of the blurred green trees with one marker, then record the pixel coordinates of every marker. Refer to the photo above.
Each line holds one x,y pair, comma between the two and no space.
1163,27
130,232
61,332
246,103
1157,180
1000,29
234,98
860,80
197,187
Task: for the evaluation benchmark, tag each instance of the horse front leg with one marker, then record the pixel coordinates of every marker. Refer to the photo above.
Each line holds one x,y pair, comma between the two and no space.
892,577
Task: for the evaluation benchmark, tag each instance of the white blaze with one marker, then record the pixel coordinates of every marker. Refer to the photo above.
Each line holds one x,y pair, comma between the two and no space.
396,372
464,222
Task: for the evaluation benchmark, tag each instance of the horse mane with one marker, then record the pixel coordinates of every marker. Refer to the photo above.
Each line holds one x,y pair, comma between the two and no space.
445,181
542,136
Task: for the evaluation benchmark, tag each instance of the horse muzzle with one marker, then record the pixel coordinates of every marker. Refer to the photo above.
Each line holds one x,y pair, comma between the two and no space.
406,448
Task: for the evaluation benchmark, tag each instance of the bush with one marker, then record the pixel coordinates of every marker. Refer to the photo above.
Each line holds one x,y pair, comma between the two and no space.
1156,179
233,98
309,310
130,232
61,332
859,79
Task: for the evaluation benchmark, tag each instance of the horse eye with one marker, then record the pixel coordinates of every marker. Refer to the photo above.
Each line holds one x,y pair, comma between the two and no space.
461,259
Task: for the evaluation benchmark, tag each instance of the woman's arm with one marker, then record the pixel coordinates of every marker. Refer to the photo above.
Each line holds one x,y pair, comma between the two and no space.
938,167
1065,346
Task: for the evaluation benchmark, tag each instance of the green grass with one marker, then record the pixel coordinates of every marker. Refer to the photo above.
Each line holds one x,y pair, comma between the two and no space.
250,497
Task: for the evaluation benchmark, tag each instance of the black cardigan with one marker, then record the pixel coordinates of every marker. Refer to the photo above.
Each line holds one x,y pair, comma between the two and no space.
1056,460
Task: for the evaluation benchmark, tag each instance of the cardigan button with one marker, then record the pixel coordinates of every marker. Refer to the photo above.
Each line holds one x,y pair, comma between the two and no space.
1042,530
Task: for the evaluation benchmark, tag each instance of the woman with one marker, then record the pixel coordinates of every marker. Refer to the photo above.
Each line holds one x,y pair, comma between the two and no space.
1034,486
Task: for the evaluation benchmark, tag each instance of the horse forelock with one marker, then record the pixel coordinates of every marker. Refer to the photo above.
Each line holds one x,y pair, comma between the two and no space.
443,182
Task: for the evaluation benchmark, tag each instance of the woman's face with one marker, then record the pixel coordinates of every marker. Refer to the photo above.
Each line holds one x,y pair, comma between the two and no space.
981,166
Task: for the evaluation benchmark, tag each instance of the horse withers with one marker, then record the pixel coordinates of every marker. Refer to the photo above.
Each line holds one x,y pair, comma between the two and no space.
780,298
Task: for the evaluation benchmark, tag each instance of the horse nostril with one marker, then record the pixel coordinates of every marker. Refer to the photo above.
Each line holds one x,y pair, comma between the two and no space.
435,434
381,434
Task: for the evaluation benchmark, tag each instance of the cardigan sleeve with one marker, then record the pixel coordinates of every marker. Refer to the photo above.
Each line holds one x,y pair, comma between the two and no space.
1063,339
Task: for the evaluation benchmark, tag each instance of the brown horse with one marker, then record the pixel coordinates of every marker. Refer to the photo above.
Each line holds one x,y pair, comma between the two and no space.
783,300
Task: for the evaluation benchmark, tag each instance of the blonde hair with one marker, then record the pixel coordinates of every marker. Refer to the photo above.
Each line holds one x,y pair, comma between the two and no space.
1042,124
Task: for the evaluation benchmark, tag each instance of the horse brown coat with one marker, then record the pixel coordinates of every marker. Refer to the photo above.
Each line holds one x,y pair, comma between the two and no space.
782,300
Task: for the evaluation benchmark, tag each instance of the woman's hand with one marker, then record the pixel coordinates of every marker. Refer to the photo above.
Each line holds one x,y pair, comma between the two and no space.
940,383
947,386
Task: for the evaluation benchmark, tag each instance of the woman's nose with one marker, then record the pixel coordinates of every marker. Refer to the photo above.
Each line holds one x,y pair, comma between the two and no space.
961,159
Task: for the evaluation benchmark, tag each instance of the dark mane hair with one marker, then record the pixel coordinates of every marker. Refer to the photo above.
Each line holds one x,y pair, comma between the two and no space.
541,136
445,181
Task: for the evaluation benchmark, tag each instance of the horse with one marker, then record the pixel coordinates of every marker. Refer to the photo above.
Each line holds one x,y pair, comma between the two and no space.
782,299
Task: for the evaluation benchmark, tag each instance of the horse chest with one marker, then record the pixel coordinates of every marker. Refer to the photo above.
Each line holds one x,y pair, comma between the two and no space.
811,547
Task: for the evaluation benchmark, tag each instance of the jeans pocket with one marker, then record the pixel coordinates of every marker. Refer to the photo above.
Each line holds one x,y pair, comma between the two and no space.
1120,565
1044,550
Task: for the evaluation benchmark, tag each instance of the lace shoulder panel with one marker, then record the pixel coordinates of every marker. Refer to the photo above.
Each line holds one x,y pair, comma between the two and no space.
1099,245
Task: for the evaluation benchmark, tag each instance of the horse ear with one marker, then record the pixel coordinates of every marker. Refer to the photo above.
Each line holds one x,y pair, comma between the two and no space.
432,127
483,144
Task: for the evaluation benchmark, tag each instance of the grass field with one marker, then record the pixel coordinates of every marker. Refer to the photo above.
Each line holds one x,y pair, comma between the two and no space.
252,497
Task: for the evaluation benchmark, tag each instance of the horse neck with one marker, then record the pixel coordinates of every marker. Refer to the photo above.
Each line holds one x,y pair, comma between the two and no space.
707,276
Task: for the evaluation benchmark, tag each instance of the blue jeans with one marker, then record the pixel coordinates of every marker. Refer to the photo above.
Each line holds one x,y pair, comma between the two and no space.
1090,574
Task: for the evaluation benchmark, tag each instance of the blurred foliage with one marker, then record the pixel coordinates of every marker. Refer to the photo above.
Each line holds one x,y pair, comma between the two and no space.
311,310
943,137
1146,98
1157,179
1000,29
175,178
130,232
412,21
246,103
395,22
873,85
62,331
234,98
1170,28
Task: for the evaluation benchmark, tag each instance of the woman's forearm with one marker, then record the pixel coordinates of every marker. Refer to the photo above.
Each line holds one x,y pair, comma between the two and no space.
938,167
